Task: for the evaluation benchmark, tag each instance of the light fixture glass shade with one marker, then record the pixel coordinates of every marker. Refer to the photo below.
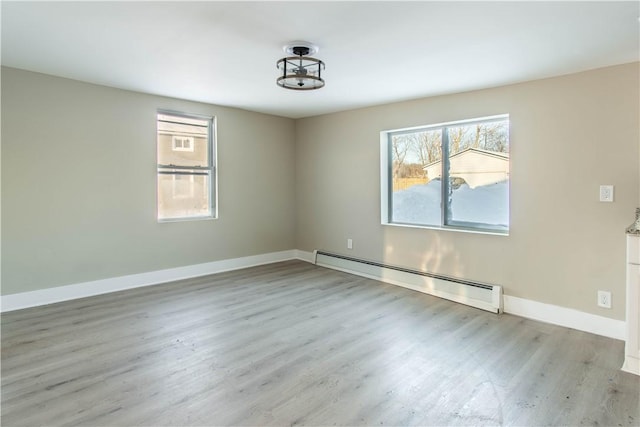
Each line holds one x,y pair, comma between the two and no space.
300,73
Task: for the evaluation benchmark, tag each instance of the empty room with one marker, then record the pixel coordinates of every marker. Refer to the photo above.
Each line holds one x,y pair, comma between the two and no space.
320,213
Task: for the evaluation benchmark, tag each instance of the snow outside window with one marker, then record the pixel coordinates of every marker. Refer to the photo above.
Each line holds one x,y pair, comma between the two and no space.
452,175
186,167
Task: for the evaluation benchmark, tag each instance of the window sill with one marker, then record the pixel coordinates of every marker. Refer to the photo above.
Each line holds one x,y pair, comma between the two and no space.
451,228
187,219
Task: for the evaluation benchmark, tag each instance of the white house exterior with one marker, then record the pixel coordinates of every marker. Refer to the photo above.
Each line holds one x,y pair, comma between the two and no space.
477,167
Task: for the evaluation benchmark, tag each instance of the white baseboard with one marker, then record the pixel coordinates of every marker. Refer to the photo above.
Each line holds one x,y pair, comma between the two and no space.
547,313
566,317
631,365
81,290
305,256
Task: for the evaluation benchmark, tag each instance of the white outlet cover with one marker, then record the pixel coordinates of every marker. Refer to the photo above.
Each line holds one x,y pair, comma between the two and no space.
604,299
606,193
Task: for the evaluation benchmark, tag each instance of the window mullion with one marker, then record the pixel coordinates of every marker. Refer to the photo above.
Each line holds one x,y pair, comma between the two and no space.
445,203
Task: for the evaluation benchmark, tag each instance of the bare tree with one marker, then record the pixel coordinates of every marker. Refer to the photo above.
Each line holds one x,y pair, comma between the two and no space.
400,147
480,128
492,136
487,136
427,145
457,139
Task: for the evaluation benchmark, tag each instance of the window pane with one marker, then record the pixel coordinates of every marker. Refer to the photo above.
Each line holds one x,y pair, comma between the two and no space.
416,177
186,169
454,174
478,170
183,194
183,141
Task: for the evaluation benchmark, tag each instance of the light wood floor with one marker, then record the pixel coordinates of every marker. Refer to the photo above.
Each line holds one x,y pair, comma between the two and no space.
295,344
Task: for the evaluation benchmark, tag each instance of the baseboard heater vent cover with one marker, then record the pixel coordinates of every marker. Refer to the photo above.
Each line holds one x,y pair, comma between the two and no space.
480,295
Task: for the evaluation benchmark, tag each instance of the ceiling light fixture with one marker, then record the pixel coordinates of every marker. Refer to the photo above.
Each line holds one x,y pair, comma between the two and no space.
300,72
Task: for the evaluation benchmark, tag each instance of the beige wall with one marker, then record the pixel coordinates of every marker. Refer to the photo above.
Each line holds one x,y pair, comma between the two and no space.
79,185
322,175
568,135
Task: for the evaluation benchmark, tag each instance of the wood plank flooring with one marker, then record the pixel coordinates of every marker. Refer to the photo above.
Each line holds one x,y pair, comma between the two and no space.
295,344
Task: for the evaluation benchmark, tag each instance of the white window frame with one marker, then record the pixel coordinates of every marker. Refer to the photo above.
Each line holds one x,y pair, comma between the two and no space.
386,180
209,170
178,143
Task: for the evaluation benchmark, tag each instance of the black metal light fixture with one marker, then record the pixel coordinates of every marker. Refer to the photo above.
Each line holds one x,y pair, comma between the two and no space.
300,72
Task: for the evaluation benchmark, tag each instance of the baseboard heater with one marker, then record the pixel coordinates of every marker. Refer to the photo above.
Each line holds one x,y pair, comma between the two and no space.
480,295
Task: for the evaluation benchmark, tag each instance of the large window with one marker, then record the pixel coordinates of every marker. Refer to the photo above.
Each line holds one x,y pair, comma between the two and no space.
452,175
186,167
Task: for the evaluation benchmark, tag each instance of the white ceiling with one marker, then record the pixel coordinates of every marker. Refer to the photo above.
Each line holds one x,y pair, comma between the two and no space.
225,53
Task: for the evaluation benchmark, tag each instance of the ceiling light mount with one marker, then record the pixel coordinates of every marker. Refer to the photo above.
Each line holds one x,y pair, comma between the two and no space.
300,72
294,48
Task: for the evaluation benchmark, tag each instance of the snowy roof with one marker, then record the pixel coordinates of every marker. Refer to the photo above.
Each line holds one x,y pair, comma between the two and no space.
497,154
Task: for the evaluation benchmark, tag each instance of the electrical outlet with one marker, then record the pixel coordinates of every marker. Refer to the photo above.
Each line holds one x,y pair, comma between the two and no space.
349,243
604,299
606,193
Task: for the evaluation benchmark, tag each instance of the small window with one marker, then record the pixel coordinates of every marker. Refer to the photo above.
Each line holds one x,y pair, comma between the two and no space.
451,176
182,143
186,167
